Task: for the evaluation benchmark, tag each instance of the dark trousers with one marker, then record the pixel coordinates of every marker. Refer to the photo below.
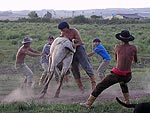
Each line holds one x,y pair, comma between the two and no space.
80,57
111,79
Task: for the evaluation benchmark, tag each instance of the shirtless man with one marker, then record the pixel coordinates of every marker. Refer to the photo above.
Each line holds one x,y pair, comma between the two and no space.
124,54
20,56
80,55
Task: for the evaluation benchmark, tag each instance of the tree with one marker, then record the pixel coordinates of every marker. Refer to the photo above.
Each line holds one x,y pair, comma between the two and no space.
96,17
48,15
33,15
80,19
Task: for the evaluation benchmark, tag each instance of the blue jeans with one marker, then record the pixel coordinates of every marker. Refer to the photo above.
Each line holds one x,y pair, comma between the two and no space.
80,57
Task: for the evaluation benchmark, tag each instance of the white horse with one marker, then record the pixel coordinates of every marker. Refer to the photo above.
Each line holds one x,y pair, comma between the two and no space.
61,51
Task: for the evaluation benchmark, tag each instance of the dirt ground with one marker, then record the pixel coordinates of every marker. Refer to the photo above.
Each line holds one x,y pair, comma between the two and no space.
72,96
67,97
108,95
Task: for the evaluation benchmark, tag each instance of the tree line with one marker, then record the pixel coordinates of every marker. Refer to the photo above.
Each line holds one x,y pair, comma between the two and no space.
81,19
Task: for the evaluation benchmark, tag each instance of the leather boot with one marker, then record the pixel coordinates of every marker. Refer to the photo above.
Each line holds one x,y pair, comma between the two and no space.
89,102
80,85
93,82
126,97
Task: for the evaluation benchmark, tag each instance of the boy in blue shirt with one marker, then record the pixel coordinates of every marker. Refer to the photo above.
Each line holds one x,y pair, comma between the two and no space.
102,52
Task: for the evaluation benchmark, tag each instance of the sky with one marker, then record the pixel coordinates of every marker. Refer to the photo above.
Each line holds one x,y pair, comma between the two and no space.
16,5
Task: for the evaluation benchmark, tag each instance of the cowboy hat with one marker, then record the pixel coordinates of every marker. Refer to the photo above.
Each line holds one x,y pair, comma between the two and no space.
27,40
124,36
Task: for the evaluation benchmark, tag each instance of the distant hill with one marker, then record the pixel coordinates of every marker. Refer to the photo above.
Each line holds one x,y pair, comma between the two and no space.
14,15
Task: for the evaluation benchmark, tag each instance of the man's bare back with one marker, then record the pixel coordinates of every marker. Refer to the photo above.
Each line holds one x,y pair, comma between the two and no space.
125,54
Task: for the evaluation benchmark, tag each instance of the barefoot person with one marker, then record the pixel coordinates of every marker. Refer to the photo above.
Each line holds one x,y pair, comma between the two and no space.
102,52
80,56
20,57
124,54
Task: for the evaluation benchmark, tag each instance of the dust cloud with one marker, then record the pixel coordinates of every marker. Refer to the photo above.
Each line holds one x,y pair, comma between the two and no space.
146,81
19,95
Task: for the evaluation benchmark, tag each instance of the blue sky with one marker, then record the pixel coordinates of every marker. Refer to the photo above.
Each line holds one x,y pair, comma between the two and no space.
16,5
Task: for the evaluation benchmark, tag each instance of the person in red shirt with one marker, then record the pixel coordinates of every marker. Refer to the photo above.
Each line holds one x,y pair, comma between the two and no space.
124,55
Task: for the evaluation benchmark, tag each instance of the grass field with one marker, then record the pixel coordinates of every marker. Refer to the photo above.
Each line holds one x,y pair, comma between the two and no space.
18,101
32,107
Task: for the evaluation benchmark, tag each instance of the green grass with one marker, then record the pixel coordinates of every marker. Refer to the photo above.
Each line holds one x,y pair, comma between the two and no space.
33,107
11,35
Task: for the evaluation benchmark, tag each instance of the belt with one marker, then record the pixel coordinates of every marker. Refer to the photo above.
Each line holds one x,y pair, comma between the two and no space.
119,72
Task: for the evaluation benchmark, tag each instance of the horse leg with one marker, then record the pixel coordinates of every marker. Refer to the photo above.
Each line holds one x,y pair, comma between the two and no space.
59,87
57,72
66,61
47,81
63,73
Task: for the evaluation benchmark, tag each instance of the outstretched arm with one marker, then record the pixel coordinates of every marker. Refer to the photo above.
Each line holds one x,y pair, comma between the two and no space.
34,51
30,53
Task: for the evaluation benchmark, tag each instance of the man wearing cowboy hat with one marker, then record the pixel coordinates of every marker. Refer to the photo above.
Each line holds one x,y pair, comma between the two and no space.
124,55
20,56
